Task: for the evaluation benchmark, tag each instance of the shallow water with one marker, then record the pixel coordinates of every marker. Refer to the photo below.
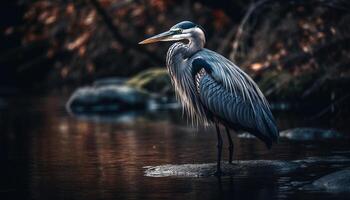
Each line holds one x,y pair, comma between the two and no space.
47,154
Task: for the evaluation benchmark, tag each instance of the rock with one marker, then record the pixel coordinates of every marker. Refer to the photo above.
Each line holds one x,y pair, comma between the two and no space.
329,160
106,98
247,168
304,134
335,182
238,168
246,135
150,89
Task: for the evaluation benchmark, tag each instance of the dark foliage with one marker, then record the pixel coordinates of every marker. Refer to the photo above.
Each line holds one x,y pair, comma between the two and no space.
296,49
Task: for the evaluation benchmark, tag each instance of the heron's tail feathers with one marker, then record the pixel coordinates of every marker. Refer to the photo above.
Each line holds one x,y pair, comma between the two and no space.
269,129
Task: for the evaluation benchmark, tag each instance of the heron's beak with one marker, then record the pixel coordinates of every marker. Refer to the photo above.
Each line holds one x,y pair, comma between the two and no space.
160,37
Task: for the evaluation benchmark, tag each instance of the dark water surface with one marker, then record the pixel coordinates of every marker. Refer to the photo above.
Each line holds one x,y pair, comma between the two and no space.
48,154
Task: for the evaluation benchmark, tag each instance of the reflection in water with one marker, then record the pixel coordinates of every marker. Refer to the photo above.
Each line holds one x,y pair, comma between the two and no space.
48,154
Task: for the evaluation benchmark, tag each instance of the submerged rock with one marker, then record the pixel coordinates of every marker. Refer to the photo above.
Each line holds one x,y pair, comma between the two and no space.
106,98
335,182
326,160
238,168
246,135
247,168
304,134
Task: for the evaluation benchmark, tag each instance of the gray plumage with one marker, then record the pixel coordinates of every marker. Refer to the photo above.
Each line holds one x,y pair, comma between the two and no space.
213,90
227,95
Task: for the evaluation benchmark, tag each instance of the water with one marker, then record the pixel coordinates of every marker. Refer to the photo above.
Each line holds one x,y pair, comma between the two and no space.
48,154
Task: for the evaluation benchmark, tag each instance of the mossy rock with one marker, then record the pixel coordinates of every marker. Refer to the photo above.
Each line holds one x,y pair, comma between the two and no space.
155,80
106,98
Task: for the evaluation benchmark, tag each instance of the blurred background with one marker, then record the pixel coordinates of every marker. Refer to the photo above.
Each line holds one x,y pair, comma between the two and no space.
78,92
297,51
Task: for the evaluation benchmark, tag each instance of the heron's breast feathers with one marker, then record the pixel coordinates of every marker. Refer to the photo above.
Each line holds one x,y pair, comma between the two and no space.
198,77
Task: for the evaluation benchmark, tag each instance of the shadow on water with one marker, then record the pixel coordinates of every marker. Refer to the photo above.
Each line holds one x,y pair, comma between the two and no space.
48,154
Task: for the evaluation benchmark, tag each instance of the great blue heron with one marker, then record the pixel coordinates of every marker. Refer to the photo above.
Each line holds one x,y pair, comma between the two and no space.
213,90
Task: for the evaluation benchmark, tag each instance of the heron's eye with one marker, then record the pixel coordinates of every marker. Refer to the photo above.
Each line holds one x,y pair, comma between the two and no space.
177,31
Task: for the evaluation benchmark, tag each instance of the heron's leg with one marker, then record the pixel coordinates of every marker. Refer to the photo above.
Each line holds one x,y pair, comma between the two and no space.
230,147
219,146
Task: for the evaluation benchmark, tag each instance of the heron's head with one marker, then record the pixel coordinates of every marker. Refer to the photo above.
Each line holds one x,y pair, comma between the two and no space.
185,30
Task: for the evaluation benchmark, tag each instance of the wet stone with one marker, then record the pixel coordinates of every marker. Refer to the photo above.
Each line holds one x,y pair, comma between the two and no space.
335,182
305,134
246,135
106,98
237,168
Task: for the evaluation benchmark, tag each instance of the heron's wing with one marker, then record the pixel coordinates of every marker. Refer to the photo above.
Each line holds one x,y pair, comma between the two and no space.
234,106
230,76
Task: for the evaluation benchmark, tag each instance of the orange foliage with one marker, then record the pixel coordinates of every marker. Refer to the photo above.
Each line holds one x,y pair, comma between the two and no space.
79,41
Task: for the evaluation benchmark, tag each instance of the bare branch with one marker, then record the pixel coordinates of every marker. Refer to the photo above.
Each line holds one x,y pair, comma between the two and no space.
253,6
121,39
224,44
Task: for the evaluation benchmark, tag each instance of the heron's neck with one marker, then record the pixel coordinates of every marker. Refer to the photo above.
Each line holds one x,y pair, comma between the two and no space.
194,45
180,51
187,50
